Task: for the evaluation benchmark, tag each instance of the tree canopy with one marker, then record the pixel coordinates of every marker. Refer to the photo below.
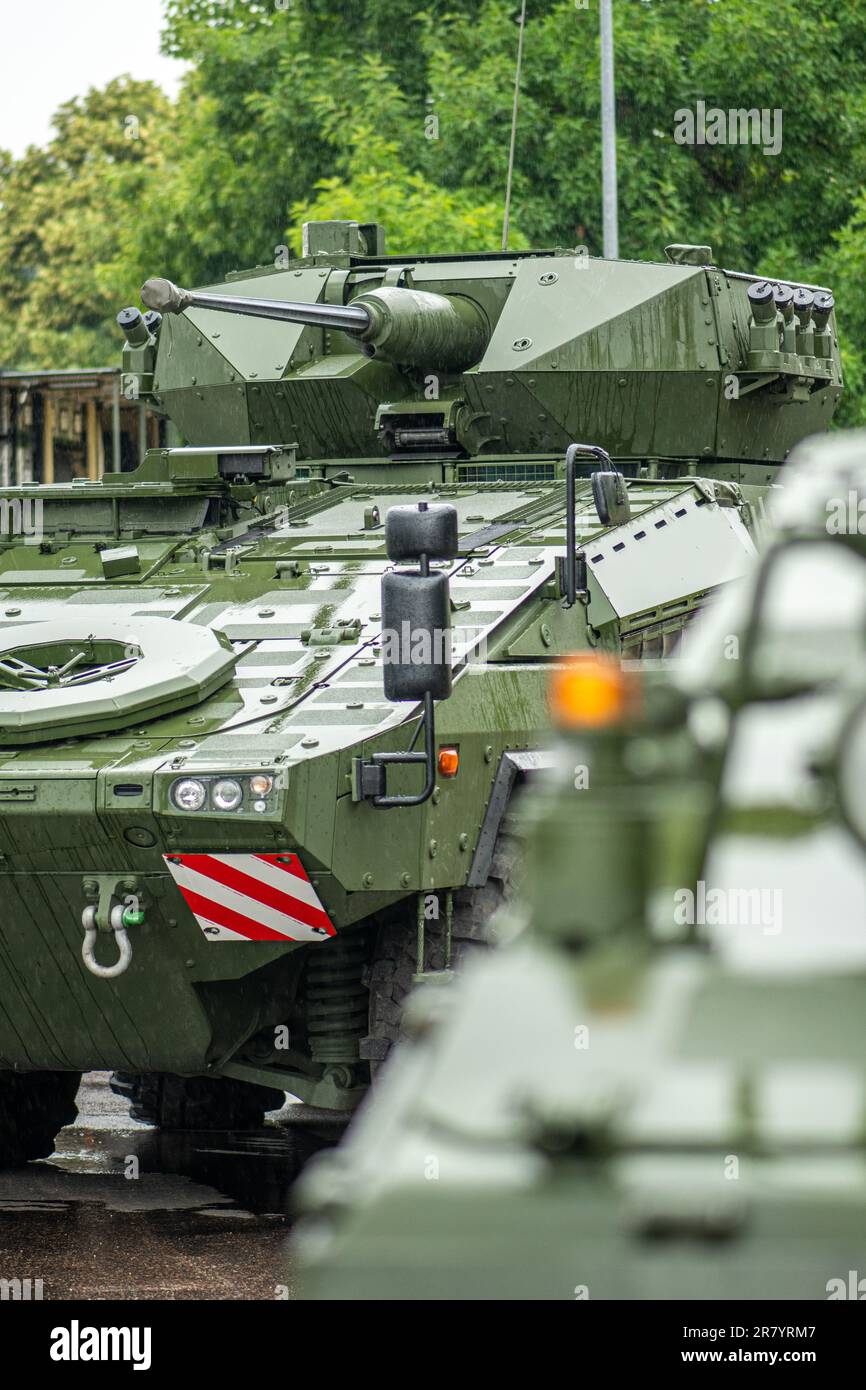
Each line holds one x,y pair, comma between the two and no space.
399,111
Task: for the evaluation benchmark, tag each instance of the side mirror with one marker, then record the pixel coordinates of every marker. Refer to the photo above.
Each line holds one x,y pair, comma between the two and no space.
415,640
416,635
610,496
421,533
416,605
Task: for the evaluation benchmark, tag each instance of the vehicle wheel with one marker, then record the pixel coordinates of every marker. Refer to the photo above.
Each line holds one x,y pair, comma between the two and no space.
195,1102
394,954
34,1107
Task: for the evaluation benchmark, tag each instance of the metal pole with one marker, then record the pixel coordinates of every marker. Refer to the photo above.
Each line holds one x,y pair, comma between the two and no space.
47,437
92,445
608,135
115,424
507,217
420,952
142,430
7,432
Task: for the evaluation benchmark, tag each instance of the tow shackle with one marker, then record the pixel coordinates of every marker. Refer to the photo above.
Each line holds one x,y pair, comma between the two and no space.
118,920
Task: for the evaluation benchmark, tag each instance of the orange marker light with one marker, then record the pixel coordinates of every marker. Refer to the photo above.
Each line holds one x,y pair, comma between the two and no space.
591,692
449,762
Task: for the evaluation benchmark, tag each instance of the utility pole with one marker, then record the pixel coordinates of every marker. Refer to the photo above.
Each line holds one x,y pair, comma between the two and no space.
507,216
608,135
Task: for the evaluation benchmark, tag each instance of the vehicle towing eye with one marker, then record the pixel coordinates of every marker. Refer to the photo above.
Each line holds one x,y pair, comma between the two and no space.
120,917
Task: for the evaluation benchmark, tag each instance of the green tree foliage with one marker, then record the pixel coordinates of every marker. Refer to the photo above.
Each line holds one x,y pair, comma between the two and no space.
399,111
68,242
316,109
417,213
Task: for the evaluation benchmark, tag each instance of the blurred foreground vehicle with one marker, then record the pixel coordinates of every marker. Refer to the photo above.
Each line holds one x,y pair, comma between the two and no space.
658,1089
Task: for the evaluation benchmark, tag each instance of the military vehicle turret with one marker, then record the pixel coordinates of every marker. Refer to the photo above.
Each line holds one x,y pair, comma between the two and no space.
235,823
656,1090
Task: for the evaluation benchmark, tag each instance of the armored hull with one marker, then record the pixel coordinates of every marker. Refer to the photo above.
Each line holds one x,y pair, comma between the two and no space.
191,665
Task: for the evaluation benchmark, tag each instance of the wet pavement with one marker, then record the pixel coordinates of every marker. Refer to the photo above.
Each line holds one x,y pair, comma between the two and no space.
121,1210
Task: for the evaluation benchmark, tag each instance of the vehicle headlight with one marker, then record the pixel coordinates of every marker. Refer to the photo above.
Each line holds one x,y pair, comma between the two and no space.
261,784
227,794
188,794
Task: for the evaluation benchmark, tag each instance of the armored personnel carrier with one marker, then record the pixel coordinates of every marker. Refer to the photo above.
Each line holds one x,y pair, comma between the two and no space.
227,844
656,1091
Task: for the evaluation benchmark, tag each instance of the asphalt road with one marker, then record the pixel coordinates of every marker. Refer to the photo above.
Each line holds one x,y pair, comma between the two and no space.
123,1211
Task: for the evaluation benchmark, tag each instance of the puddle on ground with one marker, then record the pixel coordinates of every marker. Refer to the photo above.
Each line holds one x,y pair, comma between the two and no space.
254,1168
121,1209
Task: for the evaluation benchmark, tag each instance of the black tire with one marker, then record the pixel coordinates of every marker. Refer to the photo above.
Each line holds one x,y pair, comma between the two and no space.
34,1107
393,962
195,1102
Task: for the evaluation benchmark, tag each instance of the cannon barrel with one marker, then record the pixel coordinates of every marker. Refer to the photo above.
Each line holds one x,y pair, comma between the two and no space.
166,297
409,327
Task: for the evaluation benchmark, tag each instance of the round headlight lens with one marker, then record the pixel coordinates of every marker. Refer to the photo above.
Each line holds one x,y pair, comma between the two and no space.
261,784
227,794
188,794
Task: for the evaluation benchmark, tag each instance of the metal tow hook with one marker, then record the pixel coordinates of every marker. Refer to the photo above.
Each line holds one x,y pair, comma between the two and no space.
119,919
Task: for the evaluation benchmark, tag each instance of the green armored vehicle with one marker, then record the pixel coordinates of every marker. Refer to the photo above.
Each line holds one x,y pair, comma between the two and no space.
656,1091
227,844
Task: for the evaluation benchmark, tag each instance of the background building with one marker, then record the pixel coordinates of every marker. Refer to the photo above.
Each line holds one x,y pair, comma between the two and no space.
58,425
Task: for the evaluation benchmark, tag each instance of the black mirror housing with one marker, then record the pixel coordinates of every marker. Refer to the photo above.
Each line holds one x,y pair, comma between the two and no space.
411,532
416,635
610,495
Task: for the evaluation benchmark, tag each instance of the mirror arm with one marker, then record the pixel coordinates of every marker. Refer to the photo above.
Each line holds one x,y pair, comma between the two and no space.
594,451
370,780
414,602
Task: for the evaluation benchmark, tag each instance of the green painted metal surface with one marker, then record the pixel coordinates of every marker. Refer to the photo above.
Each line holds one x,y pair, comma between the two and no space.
259,545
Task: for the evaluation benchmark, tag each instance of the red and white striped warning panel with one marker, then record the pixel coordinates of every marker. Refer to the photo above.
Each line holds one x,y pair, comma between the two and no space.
250,897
